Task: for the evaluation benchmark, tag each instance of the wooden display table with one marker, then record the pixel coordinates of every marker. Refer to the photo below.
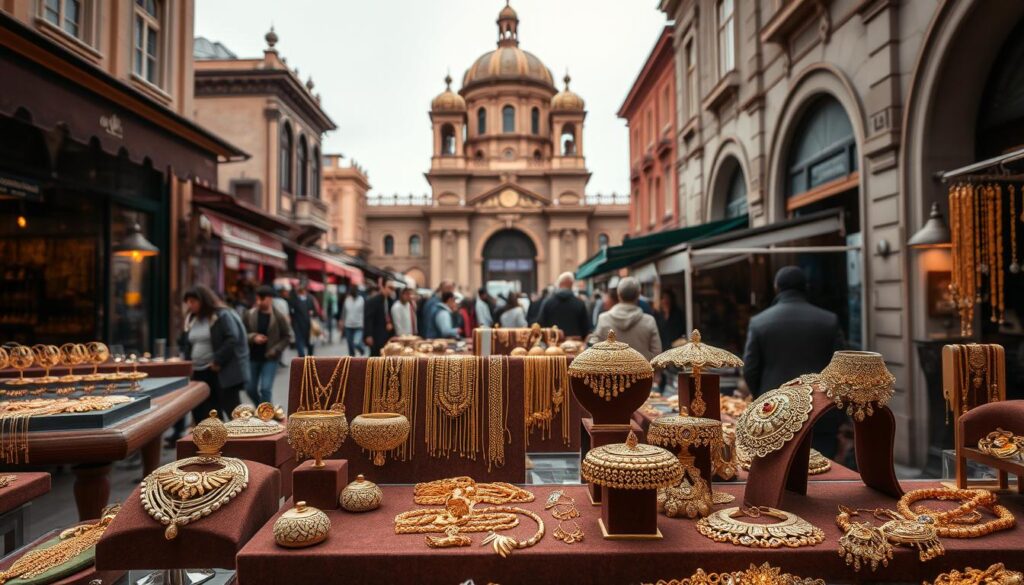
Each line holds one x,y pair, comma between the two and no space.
92,451
363,548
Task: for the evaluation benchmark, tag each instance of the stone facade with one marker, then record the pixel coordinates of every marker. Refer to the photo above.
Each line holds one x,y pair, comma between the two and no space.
909,77
508,178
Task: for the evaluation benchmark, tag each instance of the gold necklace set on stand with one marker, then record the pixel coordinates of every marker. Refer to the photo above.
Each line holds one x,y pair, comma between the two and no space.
975,373
453,414
15,416
390,386
545,394
314,394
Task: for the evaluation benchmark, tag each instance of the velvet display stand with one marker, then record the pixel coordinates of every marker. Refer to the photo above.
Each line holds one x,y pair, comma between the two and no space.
134,540
272,450
978,422
421,466
25,488
708,391
629,514
321,487
786,469
594,435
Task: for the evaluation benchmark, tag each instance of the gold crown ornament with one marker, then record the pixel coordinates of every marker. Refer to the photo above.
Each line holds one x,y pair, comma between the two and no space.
695,355
610,367
361,495
301,526
858,382
631,466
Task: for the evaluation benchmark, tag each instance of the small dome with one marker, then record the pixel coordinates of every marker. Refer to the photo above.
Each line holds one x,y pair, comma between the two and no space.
508,63
508,13
566,100
448,100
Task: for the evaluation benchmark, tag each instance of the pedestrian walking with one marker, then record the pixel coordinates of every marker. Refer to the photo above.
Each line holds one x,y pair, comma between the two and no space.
513,314
445,317
484,308
352,317
303,311
269,333
631,325
565,310
377,325
403,314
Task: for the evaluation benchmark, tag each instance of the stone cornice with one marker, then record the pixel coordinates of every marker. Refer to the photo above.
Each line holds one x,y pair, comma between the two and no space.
261,82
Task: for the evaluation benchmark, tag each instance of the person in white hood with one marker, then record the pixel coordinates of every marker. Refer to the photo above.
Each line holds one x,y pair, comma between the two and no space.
630,323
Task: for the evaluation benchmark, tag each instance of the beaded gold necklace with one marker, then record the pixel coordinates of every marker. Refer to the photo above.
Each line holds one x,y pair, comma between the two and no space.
390,386
453,415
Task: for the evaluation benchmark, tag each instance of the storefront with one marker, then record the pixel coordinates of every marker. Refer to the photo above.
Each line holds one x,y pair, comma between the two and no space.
320,268
84,158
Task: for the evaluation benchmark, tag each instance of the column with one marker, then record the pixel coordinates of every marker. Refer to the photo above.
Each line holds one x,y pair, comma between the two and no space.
435,258
555,258
463,260
581,248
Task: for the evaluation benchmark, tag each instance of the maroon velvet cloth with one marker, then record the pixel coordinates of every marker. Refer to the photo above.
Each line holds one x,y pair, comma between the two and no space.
422,467
363,549
272,450
87,576
320,487
135,540
28,486
629,512
982,420
708,391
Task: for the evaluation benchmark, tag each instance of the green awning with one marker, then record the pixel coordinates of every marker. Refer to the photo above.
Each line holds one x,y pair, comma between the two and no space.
634,250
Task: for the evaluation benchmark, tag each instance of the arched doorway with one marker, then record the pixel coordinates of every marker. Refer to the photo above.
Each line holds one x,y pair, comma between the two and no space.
510,255
730,190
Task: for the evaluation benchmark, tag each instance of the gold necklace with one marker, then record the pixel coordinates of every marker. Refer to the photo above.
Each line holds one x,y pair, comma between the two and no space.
546,388
996,574
390,386
792,531
16,415
73,542
315,395
453,413
497,413
436,492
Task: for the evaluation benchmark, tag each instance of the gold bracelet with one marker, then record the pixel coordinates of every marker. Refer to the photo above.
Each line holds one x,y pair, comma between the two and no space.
950,524
1002,444
996,574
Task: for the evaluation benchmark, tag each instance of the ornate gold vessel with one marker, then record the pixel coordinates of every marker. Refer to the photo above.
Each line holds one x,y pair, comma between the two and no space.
611,380
316,433
631,466
858,382
301,526
379,432
361,495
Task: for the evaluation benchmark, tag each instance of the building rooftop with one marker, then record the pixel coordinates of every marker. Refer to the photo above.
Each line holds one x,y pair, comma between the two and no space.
203,49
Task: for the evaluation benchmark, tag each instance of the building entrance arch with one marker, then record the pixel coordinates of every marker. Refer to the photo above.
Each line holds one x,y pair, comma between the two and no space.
510,255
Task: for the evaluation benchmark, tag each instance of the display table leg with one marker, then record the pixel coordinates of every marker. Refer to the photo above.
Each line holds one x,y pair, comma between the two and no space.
151,456
92,489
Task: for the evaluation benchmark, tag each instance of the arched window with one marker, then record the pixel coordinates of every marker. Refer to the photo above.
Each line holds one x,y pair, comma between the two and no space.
284,161
481,121
823,149
537,156
736,195
602,241
389,246
447,140
315,179
479,155
508,119
535,121
303,168
415,246
568,140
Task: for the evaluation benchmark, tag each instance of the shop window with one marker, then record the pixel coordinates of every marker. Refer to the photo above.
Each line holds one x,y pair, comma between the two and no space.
669,194
652,194
823,151
736,195
602,241
303,167
726,37
389,246
568,140
535,121
481,121
147,30
415,246
284,160
691,79
315,172
447,140
508,119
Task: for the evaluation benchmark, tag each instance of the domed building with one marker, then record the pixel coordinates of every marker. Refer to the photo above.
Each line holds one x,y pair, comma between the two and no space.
508,179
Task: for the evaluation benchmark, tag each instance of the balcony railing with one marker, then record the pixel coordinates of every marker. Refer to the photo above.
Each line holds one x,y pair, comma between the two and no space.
608,199
311,212
395,199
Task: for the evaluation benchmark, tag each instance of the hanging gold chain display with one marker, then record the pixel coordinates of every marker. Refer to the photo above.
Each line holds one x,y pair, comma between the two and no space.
497,411
390,386
314,394
453,416
546,393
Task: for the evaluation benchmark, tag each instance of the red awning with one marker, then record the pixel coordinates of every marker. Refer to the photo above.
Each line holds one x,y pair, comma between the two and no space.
312,285
307,259
249,244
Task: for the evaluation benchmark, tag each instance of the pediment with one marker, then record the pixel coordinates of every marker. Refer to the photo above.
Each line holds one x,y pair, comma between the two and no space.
509,196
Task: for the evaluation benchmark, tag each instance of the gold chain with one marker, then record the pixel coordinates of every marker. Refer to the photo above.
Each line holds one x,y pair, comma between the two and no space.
390,386
315,395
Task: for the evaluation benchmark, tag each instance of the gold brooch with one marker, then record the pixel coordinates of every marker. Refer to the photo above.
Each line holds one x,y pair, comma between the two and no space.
774,418
858,382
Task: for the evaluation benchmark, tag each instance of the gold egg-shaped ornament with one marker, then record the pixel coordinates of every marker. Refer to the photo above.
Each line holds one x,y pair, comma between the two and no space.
535,351
210,435
554,350
361,495
518,352
301,526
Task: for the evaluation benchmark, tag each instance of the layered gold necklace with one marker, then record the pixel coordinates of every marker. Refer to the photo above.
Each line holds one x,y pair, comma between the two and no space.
453,414
314,394
15,416
975,375
546,393
497,410
390,386
976,226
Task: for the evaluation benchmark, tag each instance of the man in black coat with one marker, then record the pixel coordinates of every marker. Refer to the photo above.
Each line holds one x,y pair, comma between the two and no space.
565,310
303,308
791,338
377,326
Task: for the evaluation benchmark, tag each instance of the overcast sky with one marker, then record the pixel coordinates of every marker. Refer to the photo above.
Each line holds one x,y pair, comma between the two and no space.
378,63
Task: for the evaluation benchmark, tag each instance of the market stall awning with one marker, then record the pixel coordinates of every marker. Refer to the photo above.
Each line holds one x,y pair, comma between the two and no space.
634,250
307,259
247,243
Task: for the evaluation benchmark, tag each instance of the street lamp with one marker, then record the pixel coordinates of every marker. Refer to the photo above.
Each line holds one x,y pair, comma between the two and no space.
934,233
135,245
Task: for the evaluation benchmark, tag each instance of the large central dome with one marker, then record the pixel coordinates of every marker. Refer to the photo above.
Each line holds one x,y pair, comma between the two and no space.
508,62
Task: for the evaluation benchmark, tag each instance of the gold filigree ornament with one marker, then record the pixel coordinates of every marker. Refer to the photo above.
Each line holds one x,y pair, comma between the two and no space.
1002,445
691,497
791,531
862,544
247,421
187,490
361,495
380,432
301,526
858,382
688,497
773,419
996,574
818,463
610,367
764,574
631,466
696,356
316,433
